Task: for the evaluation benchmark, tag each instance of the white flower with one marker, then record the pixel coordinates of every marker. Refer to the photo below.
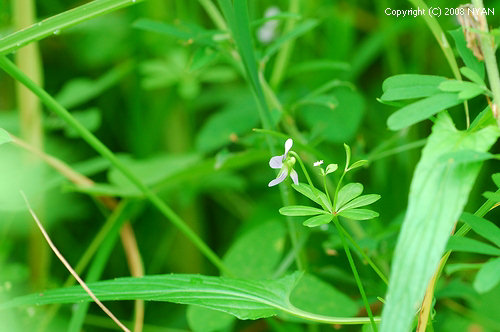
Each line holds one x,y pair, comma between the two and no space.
285,164
267,32
319,162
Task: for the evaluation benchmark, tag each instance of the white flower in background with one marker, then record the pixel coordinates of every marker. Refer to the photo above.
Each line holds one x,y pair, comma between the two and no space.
285,164
319,162
267,32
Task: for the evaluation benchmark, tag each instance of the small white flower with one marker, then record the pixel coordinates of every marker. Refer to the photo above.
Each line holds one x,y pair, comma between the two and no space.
267,32
285,164
319,162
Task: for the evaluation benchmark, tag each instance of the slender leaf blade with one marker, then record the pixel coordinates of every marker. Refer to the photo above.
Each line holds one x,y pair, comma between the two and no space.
318,220
300,210
465,244
410,86
422,109
359,214
361,201
314,195
348,193
483,227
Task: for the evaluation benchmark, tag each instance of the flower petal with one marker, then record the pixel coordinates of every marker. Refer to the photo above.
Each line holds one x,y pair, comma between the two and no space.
276,162
294,176
279,179
288,146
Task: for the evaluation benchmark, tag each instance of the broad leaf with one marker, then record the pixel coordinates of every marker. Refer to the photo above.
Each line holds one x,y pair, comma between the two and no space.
361,201
318,220
488,276
465,244
483,227
493,196
348,193
410,86
359,214
300,210
422,109
243,298
438,193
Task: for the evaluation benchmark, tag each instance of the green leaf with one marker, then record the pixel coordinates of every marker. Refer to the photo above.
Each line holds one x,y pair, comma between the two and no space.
437,196
316,196
472,75
243,298
493,196
452,268
4,136
360,201
191,32
347,155
465,244
318,220
300,210
299,30
466,54
359,214
357,164
348,193
488,276
496,179
421,110
410,86
483,227
55,24
257,252
331,168
466,90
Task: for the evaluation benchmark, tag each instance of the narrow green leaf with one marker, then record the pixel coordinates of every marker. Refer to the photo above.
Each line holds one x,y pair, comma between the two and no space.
318,220
410,86
465,244
361,201
493,196
348,155
299,30
466,90
55,24
315,195
348,193
4,136
472,75
466,54
359,214
421,110
496,179
488,276
359,163
300,210
437,196
483,227
452,268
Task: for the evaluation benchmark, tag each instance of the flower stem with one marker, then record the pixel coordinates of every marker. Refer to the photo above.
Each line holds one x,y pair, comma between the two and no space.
355,272
334,208
326,189
293,153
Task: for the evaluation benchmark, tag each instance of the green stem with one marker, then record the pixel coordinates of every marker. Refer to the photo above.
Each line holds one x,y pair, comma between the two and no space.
365,257
293,153
334,208
355,273
214,14
86,135
326,189
490,60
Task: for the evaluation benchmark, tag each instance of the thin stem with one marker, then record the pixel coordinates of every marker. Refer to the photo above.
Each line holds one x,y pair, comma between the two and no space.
487,42
334,208
95,143
326,189
365,257
214,14
355,273
293,153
